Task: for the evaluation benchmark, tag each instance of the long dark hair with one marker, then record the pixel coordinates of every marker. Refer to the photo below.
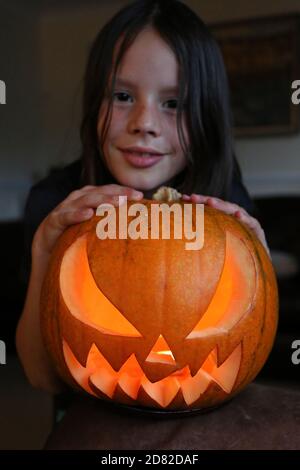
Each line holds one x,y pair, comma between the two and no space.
202,76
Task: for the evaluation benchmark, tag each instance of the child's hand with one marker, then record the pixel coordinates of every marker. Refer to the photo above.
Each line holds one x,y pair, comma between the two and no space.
77,207
232,209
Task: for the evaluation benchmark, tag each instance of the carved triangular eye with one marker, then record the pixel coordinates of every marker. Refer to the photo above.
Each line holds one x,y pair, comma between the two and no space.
235,292
84,299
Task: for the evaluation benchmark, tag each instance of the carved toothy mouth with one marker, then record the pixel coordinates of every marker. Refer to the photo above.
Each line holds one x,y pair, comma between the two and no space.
98,375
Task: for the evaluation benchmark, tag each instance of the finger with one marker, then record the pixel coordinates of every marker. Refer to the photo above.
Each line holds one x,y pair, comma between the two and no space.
79,192
60,219
94,199
199,198
108,189
56,222
225,206
251,221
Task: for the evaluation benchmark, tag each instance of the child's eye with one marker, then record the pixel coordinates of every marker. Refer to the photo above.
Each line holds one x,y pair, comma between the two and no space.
121,96
172,104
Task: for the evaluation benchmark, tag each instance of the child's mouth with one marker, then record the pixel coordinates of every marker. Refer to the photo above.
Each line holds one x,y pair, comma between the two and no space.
141,159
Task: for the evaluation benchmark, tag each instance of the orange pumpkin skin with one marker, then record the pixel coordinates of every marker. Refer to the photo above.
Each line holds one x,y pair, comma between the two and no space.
196,327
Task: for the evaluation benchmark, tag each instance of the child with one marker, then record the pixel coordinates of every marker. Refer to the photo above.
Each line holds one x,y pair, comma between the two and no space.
155,113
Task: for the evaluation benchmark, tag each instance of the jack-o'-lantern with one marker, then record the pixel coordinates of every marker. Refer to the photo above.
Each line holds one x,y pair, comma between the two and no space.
148,323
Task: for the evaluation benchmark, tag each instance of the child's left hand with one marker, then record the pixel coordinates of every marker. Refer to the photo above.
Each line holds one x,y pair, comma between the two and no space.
232,209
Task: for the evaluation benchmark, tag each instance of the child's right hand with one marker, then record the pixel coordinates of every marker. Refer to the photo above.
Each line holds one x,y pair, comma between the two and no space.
77,207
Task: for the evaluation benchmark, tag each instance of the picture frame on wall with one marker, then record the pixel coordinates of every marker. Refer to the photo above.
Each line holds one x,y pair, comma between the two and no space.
262,59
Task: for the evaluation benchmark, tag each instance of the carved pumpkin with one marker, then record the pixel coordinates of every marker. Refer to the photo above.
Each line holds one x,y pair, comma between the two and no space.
149,323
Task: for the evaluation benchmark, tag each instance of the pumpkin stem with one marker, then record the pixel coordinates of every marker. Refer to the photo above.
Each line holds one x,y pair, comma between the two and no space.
167,194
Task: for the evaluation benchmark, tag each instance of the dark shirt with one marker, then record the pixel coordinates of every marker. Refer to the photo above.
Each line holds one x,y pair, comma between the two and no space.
48,193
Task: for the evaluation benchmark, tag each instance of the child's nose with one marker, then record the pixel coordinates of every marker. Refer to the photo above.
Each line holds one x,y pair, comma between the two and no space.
145,119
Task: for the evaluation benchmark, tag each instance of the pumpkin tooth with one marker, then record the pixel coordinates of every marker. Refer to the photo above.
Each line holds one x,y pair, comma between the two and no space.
193,387
105,381
102,375
130,385
225,375
79,373
130,376
163,391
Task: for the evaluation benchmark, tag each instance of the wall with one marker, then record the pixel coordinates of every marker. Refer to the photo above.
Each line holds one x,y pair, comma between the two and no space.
20,123
225,10
42,58
269,164
65,37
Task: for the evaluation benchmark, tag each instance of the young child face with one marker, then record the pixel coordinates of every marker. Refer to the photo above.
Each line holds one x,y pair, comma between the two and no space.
144,116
